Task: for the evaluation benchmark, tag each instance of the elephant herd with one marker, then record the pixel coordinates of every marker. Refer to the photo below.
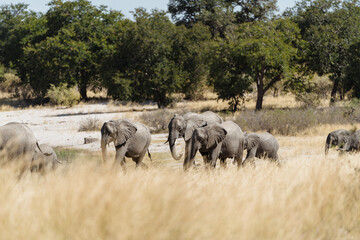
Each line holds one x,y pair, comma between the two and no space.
205,133
347,141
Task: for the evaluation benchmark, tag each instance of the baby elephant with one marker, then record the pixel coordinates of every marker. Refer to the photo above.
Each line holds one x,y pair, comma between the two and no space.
44,159
131,139
352,142
261,145
336,138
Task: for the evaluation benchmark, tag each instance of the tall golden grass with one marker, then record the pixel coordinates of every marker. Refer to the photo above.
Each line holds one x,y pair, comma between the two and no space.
314,198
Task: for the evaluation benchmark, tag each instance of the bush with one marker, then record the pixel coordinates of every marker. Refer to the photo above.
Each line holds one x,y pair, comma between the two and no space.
12,84
158,121
63,95
90,124
291,121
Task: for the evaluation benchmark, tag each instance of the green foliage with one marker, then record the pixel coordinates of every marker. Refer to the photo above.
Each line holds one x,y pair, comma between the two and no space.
63,95
12,84
330,27
77,39
157,59
262,52
220,15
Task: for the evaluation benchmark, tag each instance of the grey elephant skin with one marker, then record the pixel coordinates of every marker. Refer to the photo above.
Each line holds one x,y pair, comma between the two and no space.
44,160
352,142
17,142
131,139
336,138
218,141
261,145
183,126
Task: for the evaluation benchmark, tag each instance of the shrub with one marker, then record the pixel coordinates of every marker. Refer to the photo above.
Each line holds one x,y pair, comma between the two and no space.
291,121
90,124
12,84
63,95
158,121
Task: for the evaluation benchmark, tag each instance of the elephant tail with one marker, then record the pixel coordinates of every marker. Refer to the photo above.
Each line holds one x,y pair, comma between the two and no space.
46,154
149,154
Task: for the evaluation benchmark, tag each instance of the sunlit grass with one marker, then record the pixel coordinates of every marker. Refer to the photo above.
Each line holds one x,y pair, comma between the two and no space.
303,199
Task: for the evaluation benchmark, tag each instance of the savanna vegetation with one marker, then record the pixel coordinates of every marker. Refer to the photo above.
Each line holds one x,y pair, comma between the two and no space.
232,47
290,66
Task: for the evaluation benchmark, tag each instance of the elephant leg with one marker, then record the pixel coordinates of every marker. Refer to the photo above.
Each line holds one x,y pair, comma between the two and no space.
139,162
120,157
223,163
250,156
239,162
205,158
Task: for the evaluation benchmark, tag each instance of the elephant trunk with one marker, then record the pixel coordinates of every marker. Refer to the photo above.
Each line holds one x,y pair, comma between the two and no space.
190,156
328,144
104,141
172,140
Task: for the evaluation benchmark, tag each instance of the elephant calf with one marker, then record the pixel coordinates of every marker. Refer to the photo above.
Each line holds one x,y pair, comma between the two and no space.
131,139
261,145
44,160
336,138
352,142
225,140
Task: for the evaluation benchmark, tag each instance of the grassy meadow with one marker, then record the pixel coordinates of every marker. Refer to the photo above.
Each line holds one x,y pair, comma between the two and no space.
307,197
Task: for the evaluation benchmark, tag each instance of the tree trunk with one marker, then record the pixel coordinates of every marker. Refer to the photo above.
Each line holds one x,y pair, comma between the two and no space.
333,92
84,80
83,91
260,92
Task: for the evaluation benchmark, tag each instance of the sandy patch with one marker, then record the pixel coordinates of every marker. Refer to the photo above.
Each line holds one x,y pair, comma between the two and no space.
58,127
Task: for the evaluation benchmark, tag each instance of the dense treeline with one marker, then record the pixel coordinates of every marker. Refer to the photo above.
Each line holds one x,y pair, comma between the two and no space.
233,46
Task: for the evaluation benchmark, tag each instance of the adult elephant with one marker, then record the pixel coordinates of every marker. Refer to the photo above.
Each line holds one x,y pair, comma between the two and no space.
45,160
131,139
336,138
261,145
17,142
183,126
352,142
225,140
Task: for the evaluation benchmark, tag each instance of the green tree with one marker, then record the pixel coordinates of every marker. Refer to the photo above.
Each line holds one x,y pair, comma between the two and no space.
77,39
220,15
330,27
149,69
18,28
189,50
263,53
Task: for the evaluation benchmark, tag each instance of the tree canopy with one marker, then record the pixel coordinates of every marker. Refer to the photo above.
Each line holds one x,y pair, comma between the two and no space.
233,46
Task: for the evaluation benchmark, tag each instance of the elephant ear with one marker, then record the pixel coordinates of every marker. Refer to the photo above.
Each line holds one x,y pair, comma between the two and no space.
191,125
252,141
125,130
216,134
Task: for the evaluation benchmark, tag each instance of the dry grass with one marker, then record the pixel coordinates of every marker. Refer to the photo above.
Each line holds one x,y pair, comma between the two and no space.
308,197
90,124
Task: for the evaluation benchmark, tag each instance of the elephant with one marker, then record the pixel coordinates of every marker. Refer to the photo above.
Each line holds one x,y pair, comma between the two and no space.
18,143
225,140
42,162
131,139
261,145
183,126
336,138
351,142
